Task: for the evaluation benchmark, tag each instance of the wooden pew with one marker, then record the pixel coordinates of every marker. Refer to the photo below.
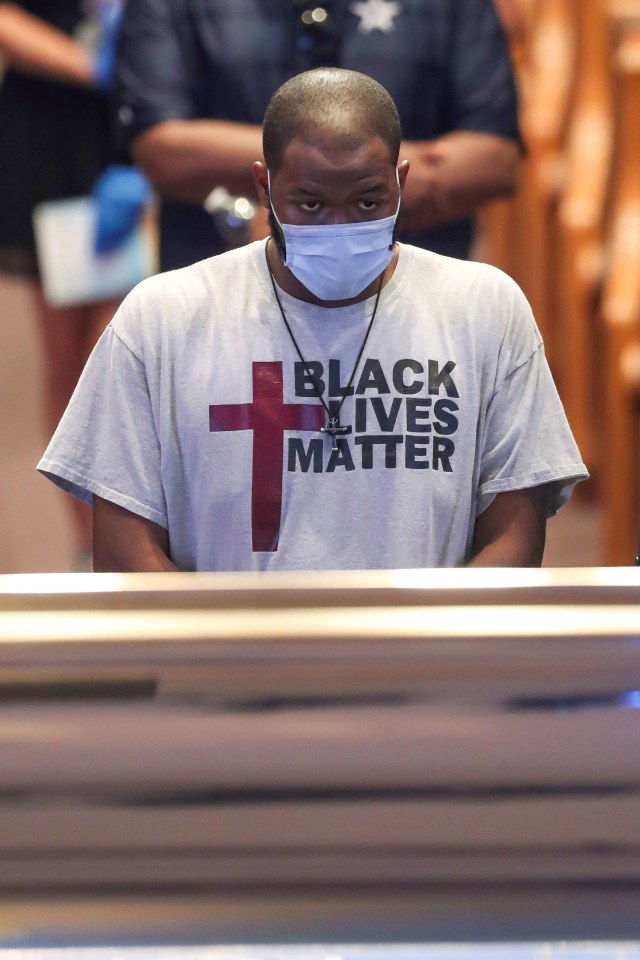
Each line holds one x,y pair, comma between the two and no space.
581,224
495,222
547,89
620,307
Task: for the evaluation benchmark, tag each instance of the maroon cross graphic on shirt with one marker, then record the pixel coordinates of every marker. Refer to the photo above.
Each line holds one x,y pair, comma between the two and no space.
268,416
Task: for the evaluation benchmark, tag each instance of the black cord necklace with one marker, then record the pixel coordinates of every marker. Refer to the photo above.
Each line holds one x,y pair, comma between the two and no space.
333,426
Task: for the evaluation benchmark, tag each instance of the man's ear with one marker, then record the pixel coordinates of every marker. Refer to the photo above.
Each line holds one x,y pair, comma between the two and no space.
262,183
403,170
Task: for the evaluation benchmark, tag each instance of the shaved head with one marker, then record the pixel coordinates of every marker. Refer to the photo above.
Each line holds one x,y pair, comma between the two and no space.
326,104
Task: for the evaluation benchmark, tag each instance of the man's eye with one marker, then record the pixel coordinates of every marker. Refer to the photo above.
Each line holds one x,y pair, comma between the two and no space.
368,205
310,206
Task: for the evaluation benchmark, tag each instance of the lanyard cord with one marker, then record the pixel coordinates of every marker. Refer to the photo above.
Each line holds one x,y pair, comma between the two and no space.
333,422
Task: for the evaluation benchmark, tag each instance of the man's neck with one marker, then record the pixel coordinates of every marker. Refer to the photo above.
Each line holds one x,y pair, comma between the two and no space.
291,285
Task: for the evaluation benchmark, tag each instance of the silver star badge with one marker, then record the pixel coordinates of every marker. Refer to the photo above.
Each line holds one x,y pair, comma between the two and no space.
375,14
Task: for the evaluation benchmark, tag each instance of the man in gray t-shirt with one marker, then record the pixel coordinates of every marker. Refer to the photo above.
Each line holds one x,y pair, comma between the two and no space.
329,399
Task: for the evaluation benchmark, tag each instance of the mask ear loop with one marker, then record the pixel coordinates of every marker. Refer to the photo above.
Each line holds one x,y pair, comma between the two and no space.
271,201
395,216
277,219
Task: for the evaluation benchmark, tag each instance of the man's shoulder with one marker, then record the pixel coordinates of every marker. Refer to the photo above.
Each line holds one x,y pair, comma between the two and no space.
170,301
451,270
466,295
188,284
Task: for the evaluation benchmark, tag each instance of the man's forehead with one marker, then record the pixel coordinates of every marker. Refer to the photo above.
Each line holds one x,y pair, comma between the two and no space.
336,154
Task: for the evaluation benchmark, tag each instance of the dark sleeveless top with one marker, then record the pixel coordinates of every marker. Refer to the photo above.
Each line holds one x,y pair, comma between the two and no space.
55,138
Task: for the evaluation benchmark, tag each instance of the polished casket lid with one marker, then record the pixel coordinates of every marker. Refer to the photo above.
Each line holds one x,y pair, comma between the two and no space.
407,756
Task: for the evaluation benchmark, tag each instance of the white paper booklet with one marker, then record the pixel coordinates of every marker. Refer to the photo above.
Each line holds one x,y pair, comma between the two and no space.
71,272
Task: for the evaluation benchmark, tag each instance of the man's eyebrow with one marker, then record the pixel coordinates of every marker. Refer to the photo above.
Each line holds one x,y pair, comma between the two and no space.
375,188
300,190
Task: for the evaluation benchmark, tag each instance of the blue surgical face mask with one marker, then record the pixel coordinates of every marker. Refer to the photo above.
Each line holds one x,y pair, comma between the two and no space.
338,261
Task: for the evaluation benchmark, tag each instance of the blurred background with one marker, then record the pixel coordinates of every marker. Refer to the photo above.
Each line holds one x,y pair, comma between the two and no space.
570,238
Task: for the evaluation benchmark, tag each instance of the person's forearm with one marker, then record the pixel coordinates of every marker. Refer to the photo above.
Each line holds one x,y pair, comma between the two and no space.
186,159
148,561
511,531
508,553
451,177
29,44
124,542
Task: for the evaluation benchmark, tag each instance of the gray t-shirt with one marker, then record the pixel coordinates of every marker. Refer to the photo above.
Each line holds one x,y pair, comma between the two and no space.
195,412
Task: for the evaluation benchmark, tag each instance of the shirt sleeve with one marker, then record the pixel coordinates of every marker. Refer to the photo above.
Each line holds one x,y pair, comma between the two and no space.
154,70
483,96
526,439
106,443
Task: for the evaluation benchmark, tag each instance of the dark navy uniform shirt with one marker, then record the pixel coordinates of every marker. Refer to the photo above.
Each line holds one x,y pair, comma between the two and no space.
445,63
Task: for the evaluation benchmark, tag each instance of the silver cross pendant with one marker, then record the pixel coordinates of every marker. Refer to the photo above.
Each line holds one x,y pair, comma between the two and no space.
334,430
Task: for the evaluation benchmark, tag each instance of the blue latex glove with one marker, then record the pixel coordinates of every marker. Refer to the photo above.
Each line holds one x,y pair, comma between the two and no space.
119,196
110,14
